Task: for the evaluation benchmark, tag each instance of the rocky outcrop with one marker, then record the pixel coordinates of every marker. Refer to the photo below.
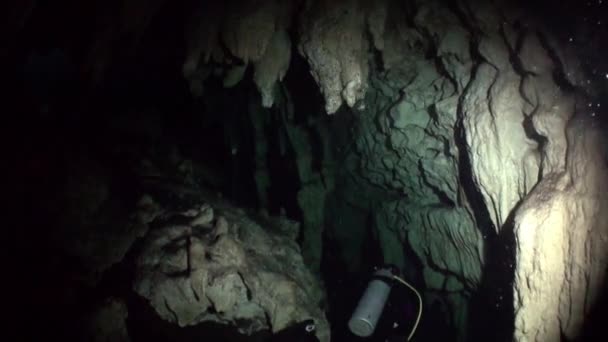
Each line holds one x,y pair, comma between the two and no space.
214,263
459,139
333,41
407,146
272,67
473,122
461,117
236,34
561,231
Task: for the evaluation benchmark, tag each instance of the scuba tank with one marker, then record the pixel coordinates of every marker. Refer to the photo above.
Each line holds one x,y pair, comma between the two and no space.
365,317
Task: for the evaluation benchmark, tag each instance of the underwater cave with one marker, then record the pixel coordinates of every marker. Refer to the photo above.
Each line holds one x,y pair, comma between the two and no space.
307,170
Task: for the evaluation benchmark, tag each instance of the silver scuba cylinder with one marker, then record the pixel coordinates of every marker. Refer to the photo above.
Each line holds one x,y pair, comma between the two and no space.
364,319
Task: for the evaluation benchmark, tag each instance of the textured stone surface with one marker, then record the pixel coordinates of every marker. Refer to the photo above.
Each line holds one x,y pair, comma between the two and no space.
562,232
248,28
333,41
272,67
476,123
252,31
494,114
460,141
219,265
407,147
465,117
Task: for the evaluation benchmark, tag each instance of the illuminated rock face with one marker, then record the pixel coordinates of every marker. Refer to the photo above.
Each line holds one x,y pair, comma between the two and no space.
333,41
237,34
562,232
200,266
464,137
470,123
461,117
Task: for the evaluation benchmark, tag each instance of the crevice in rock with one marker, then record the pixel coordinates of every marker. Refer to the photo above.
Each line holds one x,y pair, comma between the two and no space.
446,272
532,133
173,313
442,196
474,196
514,52
442,70
378,64
490,98
492,309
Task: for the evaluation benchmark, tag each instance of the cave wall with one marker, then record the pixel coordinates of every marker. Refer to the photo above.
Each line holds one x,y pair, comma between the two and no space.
463,119
478,130
464,112
464,127
561,236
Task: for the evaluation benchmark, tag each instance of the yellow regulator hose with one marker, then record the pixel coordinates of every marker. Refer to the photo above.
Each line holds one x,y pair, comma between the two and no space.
419,304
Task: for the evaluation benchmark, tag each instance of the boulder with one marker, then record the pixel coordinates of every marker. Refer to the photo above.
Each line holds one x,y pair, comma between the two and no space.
217,264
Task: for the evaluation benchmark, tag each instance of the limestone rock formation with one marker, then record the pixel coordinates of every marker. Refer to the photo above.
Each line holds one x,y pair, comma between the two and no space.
272,66
248,28
561,231
460,139
213,263
474,122
407,146
241,33
333,41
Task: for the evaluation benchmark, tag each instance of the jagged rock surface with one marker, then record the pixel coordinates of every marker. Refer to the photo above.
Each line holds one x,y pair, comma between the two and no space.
241,33
561,235
217,264
333,41
272,67
406,145
459,140
471,126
